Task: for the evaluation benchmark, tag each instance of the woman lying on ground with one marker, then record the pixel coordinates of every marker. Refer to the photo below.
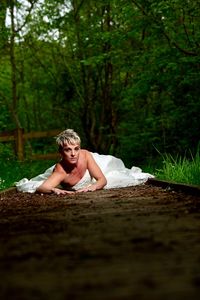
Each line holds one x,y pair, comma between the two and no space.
81,171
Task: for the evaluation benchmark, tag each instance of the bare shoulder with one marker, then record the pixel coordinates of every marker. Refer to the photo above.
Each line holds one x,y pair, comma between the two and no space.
58,168
86,155
85,152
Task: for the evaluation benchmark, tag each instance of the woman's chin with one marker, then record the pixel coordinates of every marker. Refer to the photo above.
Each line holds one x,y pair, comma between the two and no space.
73,161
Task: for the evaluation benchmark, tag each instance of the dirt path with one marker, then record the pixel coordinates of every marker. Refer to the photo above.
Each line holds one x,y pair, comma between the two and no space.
133,243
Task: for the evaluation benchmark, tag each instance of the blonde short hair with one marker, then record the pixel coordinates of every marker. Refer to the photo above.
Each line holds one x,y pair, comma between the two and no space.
67,136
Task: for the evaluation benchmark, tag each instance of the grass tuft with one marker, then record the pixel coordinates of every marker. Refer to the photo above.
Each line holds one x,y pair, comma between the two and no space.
180,169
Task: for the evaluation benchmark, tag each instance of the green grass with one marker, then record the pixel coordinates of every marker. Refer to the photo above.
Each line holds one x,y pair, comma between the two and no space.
180,169
12,170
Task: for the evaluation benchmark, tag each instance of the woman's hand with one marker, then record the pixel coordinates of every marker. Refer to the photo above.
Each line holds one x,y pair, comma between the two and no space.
58,191
89,188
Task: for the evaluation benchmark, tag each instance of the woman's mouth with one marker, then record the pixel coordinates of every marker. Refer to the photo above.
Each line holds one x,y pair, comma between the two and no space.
73,159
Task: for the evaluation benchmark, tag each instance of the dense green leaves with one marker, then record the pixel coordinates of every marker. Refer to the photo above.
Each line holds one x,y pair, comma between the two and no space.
125,74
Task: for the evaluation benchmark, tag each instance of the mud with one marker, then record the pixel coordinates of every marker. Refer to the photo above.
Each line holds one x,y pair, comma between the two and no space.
139,242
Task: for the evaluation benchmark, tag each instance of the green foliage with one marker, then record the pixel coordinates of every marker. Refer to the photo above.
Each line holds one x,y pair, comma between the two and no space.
5,95
124,74
181,169
13,170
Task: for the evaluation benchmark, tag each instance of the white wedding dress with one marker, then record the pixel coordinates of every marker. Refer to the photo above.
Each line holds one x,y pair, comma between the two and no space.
113,168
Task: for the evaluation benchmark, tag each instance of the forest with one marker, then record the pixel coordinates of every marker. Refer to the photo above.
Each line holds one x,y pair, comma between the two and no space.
125,74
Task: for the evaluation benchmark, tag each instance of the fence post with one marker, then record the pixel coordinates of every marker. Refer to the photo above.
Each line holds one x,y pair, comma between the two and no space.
19,143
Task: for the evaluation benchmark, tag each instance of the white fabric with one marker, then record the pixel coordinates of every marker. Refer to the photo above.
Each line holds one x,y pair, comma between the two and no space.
113,168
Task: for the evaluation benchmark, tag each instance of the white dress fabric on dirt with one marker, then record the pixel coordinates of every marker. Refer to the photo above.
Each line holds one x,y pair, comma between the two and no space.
113,168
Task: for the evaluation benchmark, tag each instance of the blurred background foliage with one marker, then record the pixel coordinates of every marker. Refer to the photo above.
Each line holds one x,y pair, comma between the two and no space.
123,73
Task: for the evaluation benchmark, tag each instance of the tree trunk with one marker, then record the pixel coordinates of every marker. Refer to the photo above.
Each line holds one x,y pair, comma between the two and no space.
13,67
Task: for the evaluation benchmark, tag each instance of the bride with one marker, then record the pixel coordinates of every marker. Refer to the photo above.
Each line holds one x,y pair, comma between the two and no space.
82,171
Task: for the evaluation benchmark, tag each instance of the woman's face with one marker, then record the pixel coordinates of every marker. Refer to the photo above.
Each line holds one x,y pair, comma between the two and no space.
70,153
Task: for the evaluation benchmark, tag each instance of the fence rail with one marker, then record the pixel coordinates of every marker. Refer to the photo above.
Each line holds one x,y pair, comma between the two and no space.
19,137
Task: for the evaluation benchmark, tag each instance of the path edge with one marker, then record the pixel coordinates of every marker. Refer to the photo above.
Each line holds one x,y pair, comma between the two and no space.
170,185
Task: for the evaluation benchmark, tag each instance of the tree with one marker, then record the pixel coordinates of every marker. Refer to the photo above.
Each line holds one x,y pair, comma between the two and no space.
125,74
3,31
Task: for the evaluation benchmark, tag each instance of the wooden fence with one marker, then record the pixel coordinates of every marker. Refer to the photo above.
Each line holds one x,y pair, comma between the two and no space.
19,137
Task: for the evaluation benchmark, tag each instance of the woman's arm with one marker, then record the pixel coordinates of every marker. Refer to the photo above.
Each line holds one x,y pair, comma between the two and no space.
51,183
95,172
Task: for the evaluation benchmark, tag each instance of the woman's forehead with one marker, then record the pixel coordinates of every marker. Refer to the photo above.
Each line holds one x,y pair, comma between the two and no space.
71,144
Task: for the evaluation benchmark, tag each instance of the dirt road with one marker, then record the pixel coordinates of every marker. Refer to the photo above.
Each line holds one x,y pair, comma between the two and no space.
139,242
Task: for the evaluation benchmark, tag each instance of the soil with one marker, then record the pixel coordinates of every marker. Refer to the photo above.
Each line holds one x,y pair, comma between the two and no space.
138,242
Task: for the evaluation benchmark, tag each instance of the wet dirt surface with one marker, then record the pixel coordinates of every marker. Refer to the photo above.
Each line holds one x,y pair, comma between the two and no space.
139,242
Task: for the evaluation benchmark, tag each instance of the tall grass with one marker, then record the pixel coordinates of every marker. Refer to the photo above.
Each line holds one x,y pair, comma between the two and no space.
180,169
